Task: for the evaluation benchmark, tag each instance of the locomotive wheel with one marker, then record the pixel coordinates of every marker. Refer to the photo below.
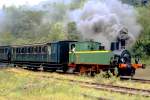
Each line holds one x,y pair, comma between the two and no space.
115,71
34,68
65,68
127,72
53,70
71,70
45,69
15,65
91,73
132,72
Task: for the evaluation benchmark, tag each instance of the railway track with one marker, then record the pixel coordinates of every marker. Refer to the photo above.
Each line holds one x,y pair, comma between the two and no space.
135,80
140,80
4,65
108,87
95,98
121,78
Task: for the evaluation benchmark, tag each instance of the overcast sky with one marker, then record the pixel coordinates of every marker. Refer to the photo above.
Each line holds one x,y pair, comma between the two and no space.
19,2
23,2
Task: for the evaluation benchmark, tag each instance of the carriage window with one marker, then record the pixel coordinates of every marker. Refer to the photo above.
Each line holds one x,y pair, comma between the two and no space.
73,47
29,49
17,50
101,48
39,49
92,48
44,49
1,50
25,50
5,50
22,50
36,49
32,49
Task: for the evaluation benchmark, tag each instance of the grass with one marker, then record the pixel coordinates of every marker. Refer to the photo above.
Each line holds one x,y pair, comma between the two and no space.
98,78
19,84
116,81
146,61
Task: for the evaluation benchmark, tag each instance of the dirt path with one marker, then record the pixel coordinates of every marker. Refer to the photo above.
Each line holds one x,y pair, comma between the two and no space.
143,73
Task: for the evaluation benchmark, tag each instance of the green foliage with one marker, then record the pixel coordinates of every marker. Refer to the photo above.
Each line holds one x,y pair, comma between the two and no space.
142,46
22,22
76,4
57,32
104,77
24,25
56,12
73,34
144,20
6,38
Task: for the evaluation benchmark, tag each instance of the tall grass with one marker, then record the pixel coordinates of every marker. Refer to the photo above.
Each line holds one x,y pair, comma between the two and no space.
16,84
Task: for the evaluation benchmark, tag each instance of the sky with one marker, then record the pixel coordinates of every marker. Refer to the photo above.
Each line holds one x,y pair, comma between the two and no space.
28,2
19,2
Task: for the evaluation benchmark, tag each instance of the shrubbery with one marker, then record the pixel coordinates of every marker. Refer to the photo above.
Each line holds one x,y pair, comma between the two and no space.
142,46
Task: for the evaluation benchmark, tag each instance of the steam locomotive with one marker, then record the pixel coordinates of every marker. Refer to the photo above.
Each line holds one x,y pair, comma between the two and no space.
72,56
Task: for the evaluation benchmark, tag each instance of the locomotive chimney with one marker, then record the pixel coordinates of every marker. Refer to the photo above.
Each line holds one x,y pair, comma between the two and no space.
114,46
122,38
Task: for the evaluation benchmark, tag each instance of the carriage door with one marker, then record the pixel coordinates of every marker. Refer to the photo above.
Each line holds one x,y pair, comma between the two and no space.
8,53
54,53
64,52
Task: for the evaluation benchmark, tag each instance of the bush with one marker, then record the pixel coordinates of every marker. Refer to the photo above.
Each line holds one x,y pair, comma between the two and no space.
142,46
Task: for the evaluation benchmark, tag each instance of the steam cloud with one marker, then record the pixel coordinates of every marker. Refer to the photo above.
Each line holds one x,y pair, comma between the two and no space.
1,19
102,20
99,20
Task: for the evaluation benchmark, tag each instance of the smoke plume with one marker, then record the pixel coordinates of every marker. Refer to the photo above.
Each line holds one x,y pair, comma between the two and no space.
2,16
102,20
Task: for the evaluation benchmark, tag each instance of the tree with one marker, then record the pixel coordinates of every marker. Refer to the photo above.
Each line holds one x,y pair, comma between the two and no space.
142,46
57,32
73,34
6,38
